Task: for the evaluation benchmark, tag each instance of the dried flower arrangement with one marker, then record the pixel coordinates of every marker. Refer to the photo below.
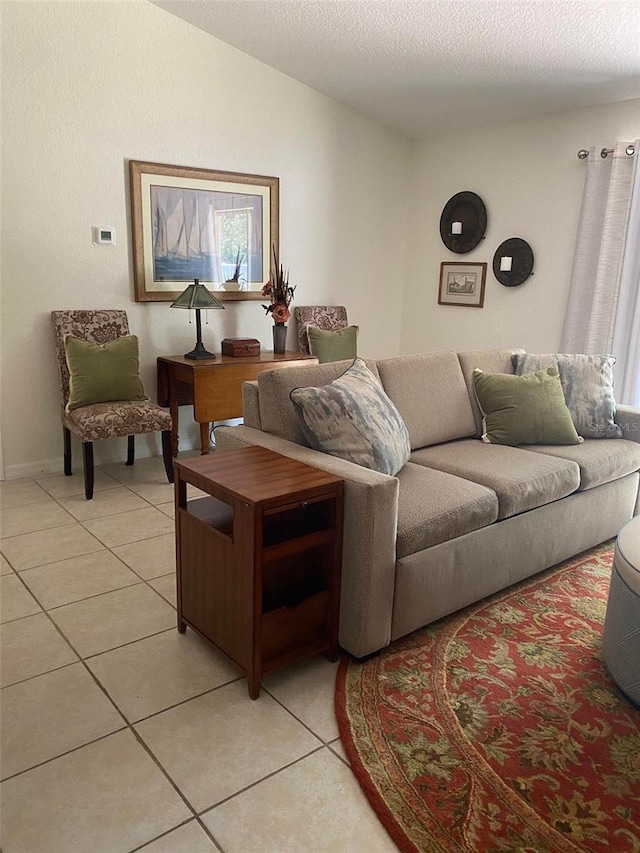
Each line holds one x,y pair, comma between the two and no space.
279,292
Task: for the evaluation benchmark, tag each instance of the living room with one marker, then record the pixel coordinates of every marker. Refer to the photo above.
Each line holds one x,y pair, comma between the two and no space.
89,86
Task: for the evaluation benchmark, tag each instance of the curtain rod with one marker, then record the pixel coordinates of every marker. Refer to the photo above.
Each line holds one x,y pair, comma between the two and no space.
583,153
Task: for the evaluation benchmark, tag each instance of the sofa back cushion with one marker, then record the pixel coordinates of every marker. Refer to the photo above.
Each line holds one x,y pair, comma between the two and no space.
277,413
489,361
429,391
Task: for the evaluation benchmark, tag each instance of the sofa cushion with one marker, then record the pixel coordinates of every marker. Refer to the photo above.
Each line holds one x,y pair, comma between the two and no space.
277,414
519,483
528,409
489,360
353,418
414,382
587,382
600,461
434,507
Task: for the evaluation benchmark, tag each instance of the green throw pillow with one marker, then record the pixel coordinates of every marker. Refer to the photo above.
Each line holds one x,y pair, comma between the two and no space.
333,346
101,373
354,419
528,409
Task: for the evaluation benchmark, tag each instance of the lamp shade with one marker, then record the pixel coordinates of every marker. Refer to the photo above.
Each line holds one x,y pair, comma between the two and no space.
196,295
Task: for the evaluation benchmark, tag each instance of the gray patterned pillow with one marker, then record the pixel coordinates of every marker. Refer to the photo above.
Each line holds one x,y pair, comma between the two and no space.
354,419
587,382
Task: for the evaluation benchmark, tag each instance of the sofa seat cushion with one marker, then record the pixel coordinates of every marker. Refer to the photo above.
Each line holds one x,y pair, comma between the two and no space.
600,460
519,483
434,507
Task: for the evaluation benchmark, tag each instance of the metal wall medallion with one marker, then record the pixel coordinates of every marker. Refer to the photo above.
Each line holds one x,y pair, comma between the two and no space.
463,222
513,262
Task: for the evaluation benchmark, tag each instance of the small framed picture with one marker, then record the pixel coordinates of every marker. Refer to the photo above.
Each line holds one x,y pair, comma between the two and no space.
462,283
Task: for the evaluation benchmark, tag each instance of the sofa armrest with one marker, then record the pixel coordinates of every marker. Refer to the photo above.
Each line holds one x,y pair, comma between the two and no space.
369,543
628,418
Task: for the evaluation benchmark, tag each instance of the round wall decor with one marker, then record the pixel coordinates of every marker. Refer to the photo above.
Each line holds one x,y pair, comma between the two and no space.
463,222
513,262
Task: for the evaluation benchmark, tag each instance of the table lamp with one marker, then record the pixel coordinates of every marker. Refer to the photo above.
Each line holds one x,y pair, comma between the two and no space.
198,297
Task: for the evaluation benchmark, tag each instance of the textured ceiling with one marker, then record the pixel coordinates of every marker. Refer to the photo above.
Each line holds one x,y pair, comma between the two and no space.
424,66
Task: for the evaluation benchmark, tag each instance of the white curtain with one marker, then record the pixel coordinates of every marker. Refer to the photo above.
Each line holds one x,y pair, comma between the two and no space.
603,314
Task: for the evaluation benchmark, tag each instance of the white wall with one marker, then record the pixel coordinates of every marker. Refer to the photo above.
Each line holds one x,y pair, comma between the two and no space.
530,179
88,86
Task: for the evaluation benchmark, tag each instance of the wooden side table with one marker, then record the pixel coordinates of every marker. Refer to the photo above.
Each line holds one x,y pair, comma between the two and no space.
213,386
259,560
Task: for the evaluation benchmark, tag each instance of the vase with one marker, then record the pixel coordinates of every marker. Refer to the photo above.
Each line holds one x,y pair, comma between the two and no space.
279,338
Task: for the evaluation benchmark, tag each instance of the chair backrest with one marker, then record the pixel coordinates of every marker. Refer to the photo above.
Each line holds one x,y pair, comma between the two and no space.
328,317
95,326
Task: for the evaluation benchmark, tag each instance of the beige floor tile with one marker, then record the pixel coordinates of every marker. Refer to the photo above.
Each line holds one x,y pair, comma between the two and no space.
107,797
217,744
160,671
168,509
316,805
104,503
150,558
20,493
27,519
15,600
77,578
148,469
48,546
130,526
166,586
154,493
308,690
5,568
113,619
61,486
338,748
30,647
51,714
190,838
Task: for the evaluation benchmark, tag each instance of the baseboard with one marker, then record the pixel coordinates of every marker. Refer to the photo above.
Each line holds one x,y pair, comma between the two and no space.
32,469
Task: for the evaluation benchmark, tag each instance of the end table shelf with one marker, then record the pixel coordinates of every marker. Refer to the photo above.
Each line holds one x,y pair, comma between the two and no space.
258,561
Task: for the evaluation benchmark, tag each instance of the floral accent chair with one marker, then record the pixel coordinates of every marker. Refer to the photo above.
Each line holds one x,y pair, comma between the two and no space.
331,318
103,420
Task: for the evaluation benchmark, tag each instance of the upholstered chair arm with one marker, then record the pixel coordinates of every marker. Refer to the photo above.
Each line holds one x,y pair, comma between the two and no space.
369,545
628,418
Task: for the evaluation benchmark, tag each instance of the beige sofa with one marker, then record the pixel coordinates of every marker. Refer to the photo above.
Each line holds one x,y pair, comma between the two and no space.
462,519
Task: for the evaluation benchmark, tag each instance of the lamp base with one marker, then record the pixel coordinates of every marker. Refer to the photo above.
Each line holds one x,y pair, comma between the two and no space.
199,352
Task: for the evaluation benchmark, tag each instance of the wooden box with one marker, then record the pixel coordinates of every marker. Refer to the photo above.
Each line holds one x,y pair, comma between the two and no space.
238,347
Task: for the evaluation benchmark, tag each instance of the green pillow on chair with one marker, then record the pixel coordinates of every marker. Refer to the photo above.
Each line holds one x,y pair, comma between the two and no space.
102,373
527,409
333,346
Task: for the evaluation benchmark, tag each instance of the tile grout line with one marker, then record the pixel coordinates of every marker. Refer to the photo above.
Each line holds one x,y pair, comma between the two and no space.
273,773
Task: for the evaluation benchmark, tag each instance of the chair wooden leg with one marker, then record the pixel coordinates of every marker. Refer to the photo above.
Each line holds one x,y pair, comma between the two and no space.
87,458
131,449
67,451
167,456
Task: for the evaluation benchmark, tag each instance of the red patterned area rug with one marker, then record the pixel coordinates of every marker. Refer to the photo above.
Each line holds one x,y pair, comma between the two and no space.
499,728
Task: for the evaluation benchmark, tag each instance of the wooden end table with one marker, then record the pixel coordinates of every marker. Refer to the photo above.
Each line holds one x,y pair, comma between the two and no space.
213,386
259,560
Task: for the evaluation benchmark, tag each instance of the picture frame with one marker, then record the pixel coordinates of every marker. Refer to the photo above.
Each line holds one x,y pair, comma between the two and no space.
462,283
188,223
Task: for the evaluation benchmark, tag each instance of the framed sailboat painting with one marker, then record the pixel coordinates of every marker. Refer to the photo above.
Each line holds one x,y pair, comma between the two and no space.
189,223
